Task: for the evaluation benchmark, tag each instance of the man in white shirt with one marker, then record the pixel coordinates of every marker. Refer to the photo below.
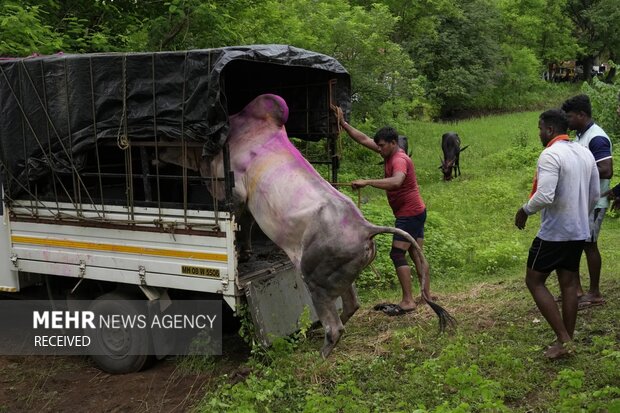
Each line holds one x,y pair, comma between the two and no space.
590,135
565,190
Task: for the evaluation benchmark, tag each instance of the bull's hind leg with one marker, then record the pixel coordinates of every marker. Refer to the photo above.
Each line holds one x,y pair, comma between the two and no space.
328,314
246,223
349,304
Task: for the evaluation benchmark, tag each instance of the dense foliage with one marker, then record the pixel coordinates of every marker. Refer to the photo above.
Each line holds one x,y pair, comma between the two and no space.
605,99
407,59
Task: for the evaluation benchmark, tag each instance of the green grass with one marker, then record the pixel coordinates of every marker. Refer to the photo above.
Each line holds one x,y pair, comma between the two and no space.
493,362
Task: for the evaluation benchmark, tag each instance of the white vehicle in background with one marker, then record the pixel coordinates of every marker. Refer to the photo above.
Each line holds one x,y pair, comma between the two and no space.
90,212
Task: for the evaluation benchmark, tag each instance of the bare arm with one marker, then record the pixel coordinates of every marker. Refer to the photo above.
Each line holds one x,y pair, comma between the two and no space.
358,136
388,184
605,168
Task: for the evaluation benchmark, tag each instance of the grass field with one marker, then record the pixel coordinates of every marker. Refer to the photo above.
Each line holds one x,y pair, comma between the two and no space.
493,361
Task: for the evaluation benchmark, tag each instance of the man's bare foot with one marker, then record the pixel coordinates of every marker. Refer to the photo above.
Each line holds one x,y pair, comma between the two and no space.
556,351
420,300
407,305
591,297
590,300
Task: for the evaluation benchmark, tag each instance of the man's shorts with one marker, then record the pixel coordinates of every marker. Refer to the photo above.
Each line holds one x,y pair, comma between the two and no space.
596,220
546,256
414,226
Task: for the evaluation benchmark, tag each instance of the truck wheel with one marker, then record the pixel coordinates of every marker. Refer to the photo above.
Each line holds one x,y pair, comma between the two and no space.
119,350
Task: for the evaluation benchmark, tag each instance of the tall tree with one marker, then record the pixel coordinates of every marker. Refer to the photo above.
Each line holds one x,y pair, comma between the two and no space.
78,26
533,34
597,28
539,25
460,54
24,30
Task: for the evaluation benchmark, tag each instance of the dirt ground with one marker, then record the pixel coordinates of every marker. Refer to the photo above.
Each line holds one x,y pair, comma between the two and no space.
74,384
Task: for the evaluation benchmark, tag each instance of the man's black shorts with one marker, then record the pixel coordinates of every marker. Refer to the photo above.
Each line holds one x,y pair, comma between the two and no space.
546,256
414,226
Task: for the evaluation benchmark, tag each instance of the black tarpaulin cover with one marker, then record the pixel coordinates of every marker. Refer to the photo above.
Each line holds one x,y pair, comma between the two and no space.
54,108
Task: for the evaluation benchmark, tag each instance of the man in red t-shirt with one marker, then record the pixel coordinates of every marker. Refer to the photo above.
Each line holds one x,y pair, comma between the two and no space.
403,195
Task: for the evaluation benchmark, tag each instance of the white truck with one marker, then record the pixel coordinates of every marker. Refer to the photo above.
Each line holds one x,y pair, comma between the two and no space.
89,211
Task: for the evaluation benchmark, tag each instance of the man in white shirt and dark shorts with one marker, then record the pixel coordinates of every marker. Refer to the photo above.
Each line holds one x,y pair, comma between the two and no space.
565,190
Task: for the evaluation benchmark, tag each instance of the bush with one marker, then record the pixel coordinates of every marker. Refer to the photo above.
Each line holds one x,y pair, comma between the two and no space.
518,85
443,248
515,157
604,98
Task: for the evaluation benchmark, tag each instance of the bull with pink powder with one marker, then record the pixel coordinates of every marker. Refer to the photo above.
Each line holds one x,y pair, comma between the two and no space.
321,230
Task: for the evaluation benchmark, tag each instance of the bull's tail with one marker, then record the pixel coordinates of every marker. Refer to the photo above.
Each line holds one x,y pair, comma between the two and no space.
463,148
445,319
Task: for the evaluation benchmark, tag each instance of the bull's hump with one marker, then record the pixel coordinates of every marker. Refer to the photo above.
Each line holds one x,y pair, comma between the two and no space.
268,107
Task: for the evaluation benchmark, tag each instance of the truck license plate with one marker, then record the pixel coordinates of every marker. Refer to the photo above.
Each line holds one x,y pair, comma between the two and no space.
200,271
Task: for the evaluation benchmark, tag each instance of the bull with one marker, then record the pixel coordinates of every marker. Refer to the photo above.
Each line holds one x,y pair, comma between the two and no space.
451,147
320,229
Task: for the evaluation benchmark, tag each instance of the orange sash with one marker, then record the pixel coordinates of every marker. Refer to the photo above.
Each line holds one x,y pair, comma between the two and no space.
551,142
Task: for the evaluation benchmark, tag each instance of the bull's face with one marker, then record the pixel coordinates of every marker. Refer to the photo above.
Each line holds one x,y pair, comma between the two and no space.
446,168
192,159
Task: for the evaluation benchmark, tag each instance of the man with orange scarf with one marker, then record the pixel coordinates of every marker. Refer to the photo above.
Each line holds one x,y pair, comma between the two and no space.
565,190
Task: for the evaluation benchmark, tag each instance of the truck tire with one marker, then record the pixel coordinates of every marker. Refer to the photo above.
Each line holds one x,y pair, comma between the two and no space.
119,350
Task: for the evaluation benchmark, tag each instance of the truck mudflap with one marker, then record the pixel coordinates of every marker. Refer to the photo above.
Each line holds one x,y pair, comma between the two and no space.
277,298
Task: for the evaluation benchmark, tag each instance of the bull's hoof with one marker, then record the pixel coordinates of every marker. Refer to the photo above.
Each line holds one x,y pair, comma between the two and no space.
331,339
245,256
326,350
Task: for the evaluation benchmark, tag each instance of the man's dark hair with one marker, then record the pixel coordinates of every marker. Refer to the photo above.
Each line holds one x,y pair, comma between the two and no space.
579,103
555,118
387,134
